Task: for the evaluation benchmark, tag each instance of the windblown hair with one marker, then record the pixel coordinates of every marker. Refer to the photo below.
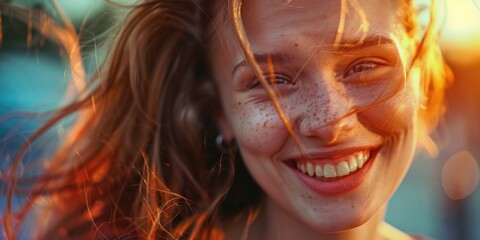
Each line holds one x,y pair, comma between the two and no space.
141,160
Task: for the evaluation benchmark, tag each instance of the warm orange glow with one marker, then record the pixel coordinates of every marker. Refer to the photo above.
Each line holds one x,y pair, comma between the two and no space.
427,71
460,175
461,33
462,20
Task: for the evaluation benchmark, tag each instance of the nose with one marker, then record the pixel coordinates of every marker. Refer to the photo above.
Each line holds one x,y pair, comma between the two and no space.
328,116
332,132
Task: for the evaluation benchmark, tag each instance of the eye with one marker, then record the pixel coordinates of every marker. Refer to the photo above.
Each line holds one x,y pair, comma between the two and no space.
361,67
273,80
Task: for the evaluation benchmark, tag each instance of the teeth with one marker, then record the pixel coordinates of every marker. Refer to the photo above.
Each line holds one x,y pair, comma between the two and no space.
360,160
302,168
352,164
318,171
343,168
310,169
329,171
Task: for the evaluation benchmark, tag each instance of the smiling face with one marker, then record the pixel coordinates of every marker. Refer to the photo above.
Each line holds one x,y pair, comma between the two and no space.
345,95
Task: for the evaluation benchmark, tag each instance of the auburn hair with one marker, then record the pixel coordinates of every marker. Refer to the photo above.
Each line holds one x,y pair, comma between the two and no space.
141,160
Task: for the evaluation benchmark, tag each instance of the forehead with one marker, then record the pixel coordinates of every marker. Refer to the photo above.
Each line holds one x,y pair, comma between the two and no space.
312,25
324,20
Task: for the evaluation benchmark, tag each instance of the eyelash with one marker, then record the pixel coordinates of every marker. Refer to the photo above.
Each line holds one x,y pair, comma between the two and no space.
285,80
360,67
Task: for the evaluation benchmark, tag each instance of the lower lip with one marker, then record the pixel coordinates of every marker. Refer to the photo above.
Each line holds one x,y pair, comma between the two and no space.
336,186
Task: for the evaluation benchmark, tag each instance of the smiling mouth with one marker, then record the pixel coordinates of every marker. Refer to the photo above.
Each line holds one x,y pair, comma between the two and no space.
333,170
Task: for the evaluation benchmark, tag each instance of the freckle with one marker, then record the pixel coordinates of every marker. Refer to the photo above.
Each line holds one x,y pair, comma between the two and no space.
265,123
336,113
296,44
239,103
352,207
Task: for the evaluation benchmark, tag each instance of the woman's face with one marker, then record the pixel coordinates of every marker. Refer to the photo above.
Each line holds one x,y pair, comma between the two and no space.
341,83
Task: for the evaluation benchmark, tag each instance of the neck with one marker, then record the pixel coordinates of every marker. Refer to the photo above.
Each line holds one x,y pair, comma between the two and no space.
275,224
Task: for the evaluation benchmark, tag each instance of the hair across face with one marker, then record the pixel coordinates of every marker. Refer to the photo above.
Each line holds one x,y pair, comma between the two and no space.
339,73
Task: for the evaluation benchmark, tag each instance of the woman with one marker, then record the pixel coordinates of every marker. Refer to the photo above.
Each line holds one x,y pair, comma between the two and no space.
316,109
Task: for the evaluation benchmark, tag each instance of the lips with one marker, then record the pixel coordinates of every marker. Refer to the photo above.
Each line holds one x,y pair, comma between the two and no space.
334,173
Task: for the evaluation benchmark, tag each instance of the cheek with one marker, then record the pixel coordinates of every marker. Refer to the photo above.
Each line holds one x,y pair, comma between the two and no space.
393,117
257,127
396,114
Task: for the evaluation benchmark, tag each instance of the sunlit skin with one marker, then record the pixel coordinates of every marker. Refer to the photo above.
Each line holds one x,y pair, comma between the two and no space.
320,87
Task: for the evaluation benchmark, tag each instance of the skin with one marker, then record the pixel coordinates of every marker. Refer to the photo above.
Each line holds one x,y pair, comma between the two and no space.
320,86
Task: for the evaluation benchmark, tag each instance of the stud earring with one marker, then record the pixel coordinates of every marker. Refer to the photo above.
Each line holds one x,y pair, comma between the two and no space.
220,142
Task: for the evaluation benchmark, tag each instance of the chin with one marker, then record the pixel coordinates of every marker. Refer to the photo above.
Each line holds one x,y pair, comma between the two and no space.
347,218
341,224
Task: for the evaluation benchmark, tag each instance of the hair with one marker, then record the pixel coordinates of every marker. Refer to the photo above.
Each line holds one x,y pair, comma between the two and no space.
141,159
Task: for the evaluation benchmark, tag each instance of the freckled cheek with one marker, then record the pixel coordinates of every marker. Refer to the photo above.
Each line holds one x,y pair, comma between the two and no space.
392,117
391,104
259,129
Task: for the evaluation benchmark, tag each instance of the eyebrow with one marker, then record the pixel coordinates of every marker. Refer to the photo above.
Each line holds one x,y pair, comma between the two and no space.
346,46
264,58
351,45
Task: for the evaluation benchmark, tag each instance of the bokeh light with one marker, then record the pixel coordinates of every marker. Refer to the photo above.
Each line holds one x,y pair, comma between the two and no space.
460,175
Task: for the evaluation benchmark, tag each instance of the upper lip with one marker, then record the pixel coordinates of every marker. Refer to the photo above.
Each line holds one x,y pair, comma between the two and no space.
331,154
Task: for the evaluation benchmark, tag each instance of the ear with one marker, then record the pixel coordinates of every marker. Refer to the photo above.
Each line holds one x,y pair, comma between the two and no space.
225,128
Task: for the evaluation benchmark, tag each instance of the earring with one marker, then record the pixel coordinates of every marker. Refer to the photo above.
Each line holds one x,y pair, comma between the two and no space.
223,145
220,142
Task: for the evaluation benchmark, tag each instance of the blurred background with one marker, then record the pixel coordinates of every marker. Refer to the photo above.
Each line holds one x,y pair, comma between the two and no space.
439,197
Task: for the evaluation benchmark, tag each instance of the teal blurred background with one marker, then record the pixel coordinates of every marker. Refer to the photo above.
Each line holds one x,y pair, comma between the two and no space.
35,74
